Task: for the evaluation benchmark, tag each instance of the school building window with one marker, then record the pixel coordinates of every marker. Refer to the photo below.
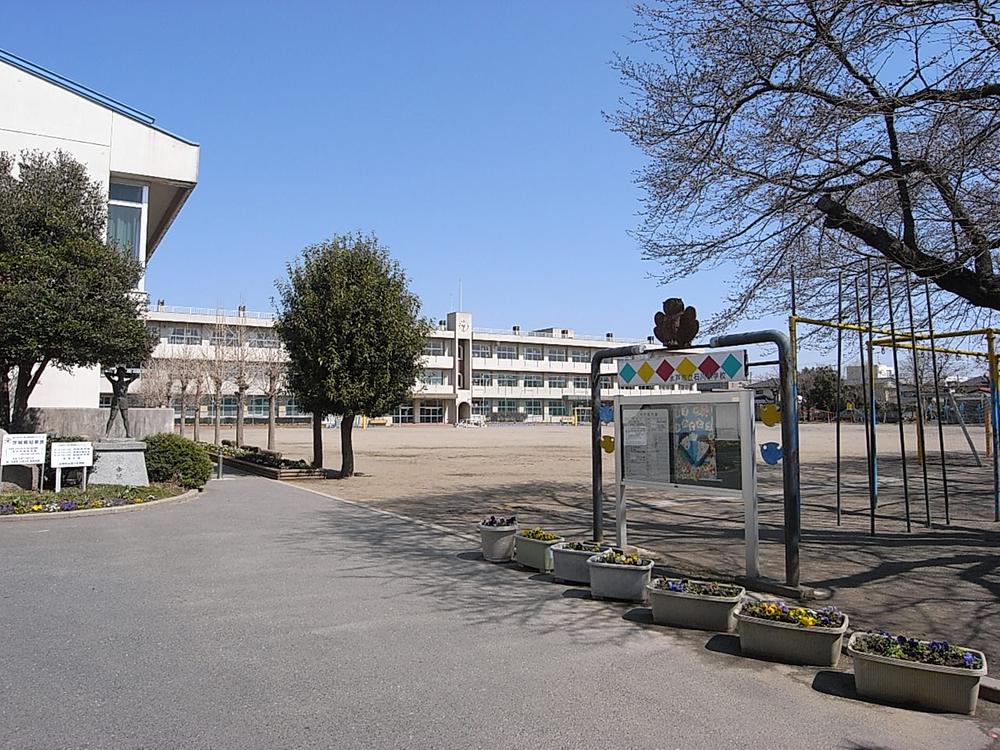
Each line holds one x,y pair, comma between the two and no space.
431,412
506,351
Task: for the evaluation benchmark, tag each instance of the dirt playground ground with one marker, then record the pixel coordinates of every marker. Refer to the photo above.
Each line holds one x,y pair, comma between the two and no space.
941,581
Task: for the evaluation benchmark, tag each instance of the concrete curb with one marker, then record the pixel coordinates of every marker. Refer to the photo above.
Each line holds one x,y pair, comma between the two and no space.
184,496
989,687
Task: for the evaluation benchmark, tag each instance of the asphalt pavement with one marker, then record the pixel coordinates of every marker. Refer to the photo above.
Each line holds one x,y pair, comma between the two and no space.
264,616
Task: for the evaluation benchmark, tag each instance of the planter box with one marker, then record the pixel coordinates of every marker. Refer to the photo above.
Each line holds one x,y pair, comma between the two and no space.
683,610
790,643
268,471
623,582
570,565
937,688
497,542
532,553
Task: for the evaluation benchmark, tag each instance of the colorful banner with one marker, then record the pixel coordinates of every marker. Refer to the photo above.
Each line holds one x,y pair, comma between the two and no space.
657,369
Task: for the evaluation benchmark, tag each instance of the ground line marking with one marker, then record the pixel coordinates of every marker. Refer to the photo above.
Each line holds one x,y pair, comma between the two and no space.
380,511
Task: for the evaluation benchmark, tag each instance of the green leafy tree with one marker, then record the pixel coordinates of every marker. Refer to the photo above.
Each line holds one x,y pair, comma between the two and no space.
66,296
819,386
353,332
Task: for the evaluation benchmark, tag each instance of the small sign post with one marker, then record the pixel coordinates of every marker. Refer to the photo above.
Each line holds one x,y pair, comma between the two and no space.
23,450
71,455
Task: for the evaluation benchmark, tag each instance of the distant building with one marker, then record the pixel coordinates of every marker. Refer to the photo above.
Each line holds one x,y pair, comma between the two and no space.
857,372
541,375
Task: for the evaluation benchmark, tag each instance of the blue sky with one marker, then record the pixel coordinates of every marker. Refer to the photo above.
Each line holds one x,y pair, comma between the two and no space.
468,136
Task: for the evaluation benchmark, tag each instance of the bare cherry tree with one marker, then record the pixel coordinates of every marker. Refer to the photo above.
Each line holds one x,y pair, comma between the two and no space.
271,367
156,382
242,371
815,134
217,368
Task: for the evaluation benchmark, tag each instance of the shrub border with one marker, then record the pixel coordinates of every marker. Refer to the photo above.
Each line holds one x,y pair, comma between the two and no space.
184,496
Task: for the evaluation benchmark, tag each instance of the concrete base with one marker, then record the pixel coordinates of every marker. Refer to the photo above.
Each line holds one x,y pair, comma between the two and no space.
90,422
119,462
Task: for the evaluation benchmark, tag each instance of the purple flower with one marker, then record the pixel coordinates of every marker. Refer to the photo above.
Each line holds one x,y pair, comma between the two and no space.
968,658
675,585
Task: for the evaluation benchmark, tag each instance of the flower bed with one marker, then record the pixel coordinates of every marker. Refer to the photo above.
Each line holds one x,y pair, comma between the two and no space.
929,674
795,635
263,463
257,456
703,605
95,496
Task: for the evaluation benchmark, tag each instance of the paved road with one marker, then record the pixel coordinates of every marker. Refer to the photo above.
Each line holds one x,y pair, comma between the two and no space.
264,616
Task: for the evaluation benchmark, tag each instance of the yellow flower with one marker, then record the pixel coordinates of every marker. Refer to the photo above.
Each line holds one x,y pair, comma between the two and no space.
37,507
808,621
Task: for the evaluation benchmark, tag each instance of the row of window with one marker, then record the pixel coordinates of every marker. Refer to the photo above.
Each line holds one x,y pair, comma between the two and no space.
536,380
531,407
256,406
436,348
255,338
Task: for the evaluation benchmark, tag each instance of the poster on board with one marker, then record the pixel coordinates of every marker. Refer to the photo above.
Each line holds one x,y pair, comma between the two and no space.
693,443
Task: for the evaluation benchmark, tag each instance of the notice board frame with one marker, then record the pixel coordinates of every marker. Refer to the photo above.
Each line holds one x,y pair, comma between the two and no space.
744,399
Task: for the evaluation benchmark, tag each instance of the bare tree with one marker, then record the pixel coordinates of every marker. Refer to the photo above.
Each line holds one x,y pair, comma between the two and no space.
156,382
809,134
242,372
271,366
188,374
217,368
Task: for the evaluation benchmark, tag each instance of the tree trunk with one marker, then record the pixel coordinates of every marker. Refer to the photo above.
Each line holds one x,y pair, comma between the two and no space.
5,397
19,414
240,414
272,418
346,447
318,440
218,418
183,410
197,416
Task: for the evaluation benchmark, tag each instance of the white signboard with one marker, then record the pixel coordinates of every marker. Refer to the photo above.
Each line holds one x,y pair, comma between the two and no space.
700,443
23,450
66,455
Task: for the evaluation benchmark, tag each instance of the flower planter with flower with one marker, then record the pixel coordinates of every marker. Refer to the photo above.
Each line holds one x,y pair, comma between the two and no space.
533,548
933,675
702,605
793,635
618,575
496,535
569,560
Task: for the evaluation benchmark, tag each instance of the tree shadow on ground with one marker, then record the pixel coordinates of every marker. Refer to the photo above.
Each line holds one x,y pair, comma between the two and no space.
453,573
941,582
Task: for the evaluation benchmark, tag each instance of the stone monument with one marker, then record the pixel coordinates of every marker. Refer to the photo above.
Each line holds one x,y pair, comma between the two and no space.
119,460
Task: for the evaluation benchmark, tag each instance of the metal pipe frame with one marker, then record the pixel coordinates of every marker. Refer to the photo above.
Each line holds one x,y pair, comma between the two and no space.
789,439
597,488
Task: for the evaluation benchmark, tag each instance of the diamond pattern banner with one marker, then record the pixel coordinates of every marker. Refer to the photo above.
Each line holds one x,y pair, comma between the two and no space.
657,369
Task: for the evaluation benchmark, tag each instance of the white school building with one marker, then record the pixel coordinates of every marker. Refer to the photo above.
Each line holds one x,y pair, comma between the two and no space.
147,173
540,375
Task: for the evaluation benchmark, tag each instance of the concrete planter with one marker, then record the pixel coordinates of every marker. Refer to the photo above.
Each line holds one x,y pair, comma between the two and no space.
683,610
497,542
790,643
622,582
533,553
570,565
928,686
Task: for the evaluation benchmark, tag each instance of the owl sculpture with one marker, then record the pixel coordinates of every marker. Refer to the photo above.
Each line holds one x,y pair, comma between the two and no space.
677,325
